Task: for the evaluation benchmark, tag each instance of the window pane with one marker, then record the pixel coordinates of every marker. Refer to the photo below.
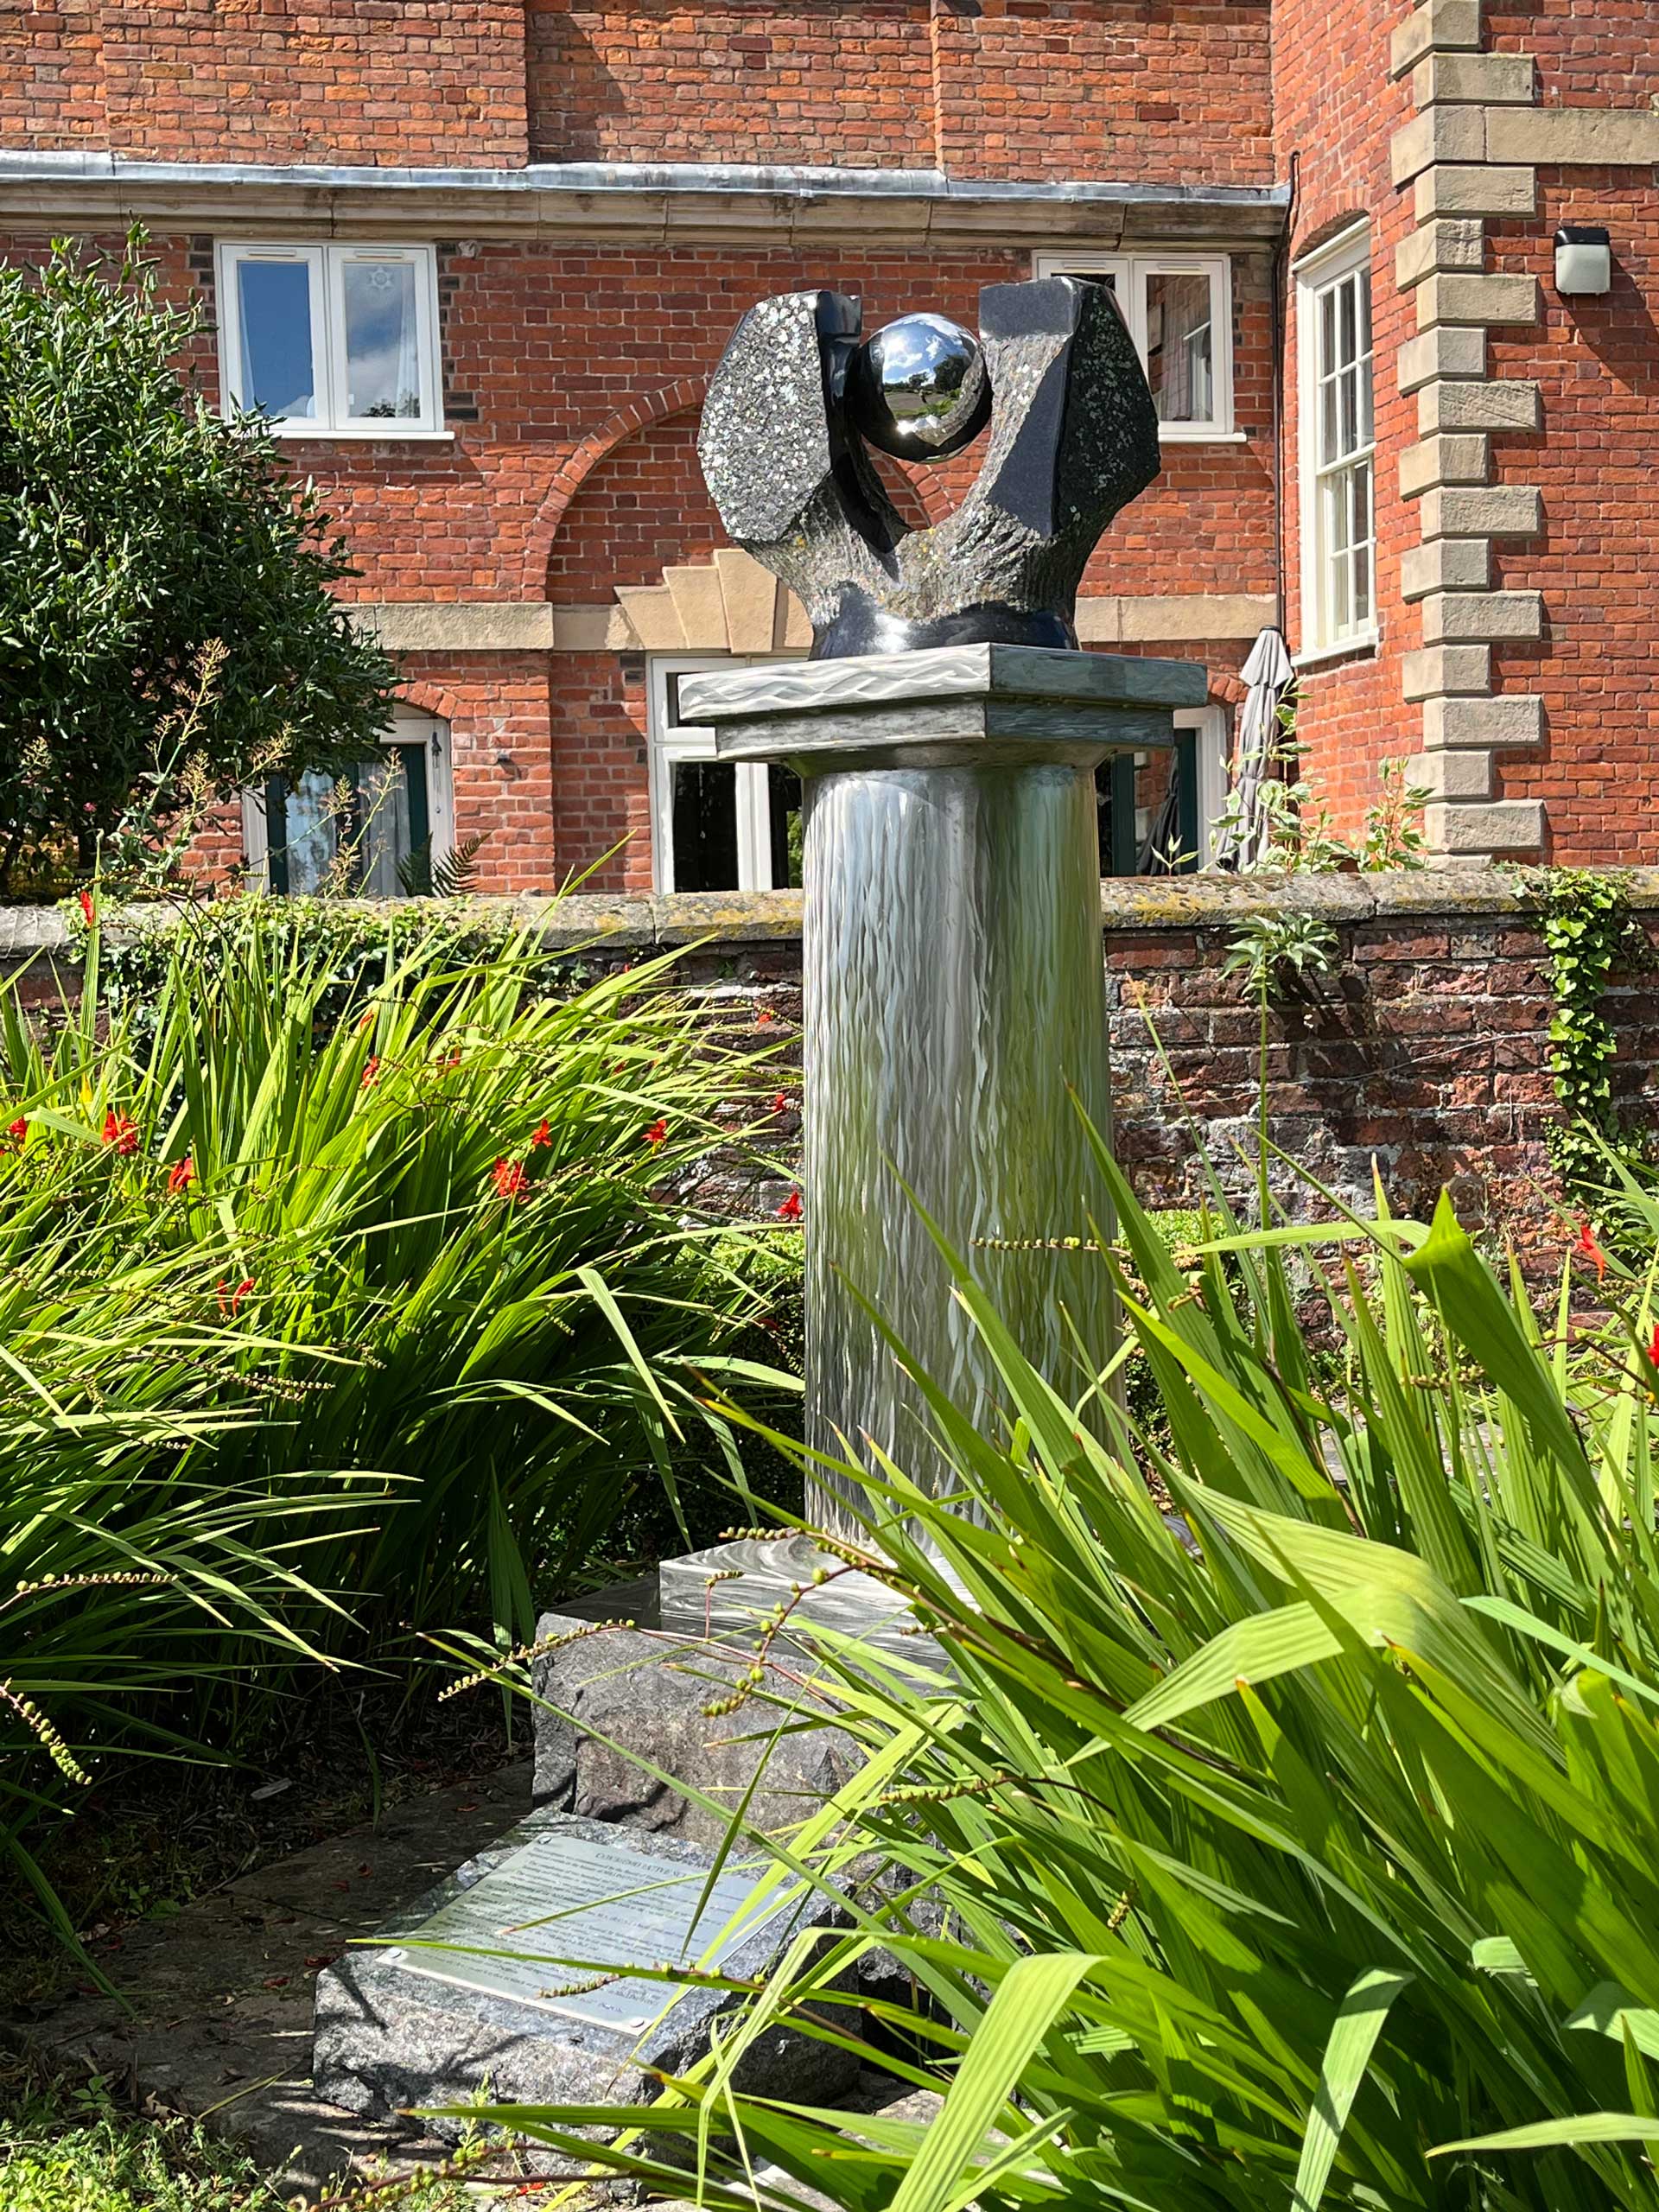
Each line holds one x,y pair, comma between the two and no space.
1347,335
383,369
393,816
1327,360
1181,347
306,831
1348,420
274,321
784,808
705,825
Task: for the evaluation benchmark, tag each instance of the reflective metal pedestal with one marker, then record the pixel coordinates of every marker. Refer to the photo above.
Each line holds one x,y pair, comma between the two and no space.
955,1002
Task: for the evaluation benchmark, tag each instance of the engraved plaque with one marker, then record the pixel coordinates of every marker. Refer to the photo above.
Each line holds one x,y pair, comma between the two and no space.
562,1896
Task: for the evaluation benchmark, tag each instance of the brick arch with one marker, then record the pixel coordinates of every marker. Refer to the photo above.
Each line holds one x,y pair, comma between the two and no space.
574,470
430,698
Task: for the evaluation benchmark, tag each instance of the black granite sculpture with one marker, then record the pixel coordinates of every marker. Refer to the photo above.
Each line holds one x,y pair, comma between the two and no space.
1073,438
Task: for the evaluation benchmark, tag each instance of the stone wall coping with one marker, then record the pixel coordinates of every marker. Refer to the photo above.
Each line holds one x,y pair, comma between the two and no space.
1129,905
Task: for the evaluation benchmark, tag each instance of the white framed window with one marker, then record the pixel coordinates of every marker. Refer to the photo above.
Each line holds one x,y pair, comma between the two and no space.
376,832
331,341
1179,310
1336,446
1171,800
715,825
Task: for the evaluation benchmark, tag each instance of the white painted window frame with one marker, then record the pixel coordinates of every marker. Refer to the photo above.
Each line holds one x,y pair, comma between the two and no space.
1210,723
409,726
1129,273
671,741
1317,274
327,265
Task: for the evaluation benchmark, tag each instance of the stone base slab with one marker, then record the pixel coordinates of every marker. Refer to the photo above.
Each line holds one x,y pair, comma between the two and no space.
390,2040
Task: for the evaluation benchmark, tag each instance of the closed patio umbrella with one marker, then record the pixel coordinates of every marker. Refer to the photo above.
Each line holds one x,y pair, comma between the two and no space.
1266,672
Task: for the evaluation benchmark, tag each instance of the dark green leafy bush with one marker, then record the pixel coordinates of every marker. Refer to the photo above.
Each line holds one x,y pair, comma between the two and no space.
168,629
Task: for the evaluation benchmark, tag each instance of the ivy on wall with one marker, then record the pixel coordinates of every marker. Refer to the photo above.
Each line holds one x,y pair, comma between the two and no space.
1589,930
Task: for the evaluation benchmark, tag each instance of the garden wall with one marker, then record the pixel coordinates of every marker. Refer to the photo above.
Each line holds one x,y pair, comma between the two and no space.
1426,1049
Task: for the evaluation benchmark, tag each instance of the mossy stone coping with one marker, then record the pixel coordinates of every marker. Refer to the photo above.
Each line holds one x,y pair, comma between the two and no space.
1127,904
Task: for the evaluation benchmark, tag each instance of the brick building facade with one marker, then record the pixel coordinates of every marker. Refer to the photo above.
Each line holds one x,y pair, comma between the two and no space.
481,257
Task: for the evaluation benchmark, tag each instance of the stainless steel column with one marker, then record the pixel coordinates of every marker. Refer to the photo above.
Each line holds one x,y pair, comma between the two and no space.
955,1002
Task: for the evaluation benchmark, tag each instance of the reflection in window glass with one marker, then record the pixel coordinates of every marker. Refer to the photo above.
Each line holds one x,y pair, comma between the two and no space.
274,321
383,366
785,822
705,825
1180,346
377,815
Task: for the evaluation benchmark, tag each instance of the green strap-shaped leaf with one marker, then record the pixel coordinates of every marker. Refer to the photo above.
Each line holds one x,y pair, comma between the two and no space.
1347,2053
1033,1995
1557,2134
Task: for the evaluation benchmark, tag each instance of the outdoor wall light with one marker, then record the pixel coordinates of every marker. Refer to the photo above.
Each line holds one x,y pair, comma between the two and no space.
1584,259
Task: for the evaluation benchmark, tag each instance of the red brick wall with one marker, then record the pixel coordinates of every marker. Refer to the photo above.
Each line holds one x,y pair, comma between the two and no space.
52,74
501,759
820,82
1010,88
1335,110
1590,53
433,81
1174,91
1596,360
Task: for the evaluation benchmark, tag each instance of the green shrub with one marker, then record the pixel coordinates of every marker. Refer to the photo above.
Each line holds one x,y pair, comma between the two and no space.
332,1329
169,630
1299,1848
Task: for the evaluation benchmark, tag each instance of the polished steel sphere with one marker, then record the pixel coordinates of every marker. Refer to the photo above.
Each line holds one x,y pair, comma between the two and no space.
918,388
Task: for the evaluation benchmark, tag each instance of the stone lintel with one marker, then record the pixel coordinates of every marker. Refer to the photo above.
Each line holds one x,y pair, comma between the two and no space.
1463,458
1593,137
512,626
1437,27
1451,189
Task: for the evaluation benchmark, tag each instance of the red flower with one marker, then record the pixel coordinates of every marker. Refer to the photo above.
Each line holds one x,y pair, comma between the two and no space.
181,1175
510,1179
1590,1250
764,1018
1653,1344
371,1072
17,1130
229,1301
121,1131
89,912
657,1133
791,1209
541,1136
780,1104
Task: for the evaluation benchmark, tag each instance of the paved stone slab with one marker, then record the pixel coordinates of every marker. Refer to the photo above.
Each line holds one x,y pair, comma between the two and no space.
407,2024
216,2021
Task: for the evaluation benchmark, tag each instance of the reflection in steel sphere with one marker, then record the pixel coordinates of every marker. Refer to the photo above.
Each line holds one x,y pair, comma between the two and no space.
918,388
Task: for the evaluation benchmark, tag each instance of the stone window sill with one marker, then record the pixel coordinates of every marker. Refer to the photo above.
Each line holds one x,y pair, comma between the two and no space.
1361,647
